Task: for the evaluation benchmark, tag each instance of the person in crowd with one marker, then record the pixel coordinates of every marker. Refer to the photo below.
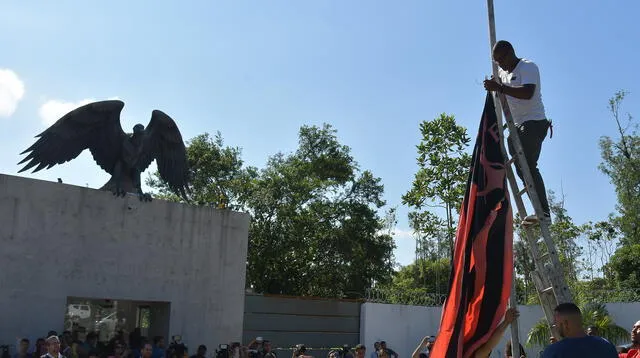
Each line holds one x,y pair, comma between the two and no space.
593,331
267,349
159,347
146,351
390,352
53,347
201,352
41,348
508,350
634,350
425,345
376,347
23,351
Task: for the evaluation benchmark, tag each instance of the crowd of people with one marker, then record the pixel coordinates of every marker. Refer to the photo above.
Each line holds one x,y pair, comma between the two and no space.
78,345
575,341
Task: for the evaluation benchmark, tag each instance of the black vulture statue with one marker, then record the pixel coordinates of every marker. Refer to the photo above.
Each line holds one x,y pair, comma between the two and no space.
96,126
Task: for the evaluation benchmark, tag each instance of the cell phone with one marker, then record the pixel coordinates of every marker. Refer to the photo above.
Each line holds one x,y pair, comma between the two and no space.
259,339
223,346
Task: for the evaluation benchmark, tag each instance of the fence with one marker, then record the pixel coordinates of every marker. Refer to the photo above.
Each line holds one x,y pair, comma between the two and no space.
420,297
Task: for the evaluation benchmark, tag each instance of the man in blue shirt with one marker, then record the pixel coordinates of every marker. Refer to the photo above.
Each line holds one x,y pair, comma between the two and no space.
574,341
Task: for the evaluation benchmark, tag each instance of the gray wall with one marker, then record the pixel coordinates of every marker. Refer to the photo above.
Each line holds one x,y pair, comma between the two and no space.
287,321
58,240
404,326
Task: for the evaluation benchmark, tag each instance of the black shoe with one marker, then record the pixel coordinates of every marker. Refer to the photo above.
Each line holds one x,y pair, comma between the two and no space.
532,219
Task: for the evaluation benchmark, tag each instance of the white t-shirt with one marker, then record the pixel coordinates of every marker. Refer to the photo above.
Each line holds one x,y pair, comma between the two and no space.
526,72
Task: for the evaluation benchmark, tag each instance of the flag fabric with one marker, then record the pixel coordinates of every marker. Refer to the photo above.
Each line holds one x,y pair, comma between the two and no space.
482,267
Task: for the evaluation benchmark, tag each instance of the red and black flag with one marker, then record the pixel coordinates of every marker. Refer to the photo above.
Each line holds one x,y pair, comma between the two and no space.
482,267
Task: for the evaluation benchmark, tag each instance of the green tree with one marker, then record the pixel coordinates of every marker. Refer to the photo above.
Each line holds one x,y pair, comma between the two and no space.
425,281
602,238
314,224
444,165
216,172
565,234
315,228
524,266
621,163
624,265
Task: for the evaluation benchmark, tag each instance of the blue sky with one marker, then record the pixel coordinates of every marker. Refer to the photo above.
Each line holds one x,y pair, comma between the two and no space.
257,71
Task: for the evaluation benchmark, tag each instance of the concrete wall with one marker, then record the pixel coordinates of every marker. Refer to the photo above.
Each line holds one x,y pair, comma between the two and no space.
58,240
404,326
316,323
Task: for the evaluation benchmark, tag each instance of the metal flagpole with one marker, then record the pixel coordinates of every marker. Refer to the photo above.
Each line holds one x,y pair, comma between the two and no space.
515,339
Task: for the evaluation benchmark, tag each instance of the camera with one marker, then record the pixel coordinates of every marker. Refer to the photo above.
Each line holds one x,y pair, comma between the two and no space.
222,351
5,351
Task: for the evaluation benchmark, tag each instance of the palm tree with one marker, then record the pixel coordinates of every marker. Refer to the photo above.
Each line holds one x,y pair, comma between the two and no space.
539,334
593,314
596,314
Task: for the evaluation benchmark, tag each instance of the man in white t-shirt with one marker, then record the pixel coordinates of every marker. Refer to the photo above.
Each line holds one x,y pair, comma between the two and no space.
520,82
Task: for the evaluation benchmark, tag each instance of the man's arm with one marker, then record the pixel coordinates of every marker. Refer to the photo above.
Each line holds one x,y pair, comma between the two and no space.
420,347
486,348
522,92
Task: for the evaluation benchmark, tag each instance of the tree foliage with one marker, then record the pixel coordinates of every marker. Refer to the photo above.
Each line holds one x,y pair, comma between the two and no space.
315,227
565,235
621,163
216,172
314,223
425,281
444,165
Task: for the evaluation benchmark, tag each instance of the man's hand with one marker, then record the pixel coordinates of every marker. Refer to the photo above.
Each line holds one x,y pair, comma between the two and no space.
492,85
511,315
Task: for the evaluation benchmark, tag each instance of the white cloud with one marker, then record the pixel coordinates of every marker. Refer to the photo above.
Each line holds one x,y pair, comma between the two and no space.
54,109
401,234
11,92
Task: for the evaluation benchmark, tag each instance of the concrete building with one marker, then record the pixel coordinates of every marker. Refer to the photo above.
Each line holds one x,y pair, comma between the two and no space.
59,243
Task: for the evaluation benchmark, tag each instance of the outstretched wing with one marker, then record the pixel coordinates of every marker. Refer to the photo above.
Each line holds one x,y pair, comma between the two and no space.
163,142
95,126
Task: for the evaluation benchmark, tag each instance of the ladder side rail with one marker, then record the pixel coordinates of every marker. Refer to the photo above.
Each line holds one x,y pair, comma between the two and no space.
547,302
557,280
515,336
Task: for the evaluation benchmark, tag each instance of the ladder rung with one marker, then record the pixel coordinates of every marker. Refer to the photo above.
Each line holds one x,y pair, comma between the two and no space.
522,191
547,290
543,256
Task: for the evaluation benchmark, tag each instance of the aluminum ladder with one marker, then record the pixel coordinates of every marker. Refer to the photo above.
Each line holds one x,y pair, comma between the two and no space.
548,276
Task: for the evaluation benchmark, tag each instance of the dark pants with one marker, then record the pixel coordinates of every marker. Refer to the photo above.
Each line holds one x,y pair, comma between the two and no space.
532,134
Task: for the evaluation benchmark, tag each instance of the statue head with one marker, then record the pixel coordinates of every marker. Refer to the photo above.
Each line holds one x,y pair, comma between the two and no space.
138,129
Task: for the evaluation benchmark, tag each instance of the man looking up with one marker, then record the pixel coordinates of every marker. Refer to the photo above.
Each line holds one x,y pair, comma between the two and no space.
575,342
634,350
520,82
